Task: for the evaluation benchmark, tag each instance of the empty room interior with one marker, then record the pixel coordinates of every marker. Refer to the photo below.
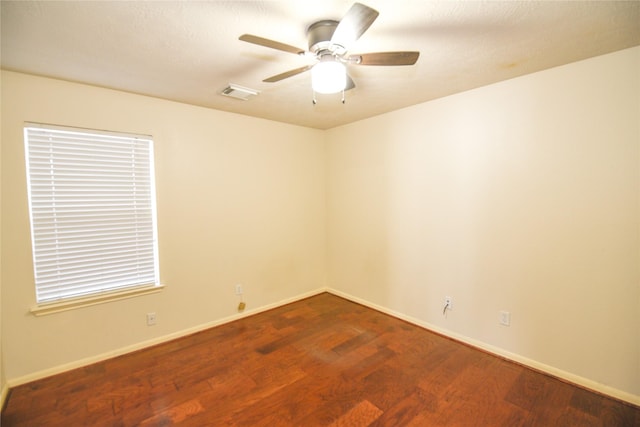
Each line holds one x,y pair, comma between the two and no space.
476,177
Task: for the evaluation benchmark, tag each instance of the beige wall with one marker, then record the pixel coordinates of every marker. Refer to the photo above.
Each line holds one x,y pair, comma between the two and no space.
240,200
520,196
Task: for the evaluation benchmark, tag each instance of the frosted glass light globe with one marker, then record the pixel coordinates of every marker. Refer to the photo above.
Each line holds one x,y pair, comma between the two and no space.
329,77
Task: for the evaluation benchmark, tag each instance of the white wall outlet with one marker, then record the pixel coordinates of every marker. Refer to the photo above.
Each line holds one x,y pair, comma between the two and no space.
505,318
448,303
151,319
239,290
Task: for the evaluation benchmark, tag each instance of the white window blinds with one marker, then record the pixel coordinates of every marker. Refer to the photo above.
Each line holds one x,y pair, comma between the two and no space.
92,205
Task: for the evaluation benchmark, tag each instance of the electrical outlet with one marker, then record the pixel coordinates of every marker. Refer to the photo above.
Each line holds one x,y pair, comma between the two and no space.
151,319
505,318
448,303
239,289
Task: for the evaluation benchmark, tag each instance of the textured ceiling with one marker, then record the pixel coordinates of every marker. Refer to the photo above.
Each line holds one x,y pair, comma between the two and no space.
189,51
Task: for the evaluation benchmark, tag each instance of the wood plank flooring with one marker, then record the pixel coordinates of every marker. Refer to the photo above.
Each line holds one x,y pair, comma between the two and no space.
323,361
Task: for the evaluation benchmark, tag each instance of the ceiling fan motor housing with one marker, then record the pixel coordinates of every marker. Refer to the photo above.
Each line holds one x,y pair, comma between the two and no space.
319,35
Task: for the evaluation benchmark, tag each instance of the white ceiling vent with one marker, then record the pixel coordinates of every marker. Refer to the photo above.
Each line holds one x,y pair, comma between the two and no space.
239,92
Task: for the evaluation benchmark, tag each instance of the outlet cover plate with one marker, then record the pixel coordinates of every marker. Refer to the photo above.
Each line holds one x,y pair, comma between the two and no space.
151,319
505,318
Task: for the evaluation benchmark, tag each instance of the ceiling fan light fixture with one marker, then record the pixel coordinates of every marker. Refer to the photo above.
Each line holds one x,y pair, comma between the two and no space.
329,76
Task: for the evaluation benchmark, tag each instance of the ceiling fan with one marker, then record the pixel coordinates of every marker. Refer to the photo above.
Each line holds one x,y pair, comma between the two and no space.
329,42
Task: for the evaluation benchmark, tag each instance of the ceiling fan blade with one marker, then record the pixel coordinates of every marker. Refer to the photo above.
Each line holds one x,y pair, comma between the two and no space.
385,58
249,38
357,20
287,74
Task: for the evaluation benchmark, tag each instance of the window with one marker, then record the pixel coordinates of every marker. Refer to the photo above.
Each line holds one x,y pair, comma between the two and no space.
92,208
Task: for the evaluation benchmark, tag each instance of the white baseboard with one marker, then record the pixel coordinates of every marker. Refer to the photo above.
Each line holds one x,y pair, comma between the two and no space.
155,341
558,373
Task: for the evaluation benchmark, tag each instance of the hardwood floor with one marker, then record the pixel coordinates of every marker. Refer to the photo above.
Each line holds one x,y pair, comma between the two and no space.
323,361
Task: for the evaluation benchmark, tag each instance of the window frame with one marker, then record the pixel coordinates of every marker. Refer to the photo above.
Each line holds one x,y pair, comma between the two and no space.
91,142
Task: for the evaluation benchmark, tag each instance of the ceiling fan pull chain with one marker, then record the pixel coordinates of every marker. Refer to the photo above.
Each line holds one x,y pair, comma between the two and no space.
314,98
343,96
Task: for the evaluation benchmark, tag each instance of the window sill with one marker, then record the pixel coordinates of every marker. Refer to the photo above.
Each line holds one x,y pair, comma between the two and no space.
72,304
